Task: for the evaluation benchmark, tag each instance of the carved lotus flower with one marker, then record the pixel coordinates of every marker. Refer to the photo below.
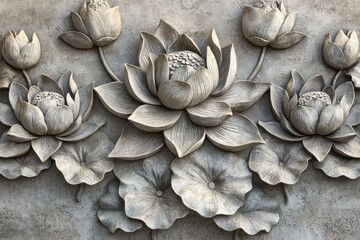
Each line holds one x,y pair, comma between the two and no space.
183,91
343,52
210,181
318,115
268,24
146,189
19,52
97,24
46,115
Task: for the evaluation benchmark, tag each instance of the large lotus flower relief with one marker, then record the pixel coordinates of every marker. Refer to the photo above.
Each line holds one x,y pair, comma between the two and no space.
46,115
183,91
318,115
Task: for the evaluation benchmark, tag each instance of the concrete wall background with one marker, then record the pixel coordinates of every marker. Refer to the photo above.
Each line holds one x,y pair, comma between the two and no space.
44,207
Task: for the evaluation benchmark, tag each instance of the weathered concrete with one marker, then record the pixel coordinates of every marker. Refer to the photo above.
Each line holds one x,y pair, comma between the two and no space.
44,207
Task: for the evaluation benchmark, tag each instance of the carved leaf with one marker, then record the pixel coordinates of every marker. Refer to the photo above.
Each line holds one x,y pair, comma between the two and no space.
10,149
175,94
77,40
149,44
182,43
45,146
8,75
235,134
19,134
7,115
166,33
210,181
135,144
86,96
86,130
288,40
276,129
276,98
111,211
85,161
354,73
350,149
209,114
354,116
259,212
318,146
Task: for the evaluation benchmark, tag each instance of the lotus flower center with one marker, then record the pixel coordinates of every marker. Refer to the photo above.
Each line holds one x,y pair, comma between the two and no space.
211,185
184,58
307,98
53,96
98,5
159,193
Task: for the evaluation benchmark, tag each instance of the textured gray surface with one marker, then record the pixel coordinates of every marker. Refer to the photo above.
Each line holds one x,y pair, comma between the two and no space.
44,207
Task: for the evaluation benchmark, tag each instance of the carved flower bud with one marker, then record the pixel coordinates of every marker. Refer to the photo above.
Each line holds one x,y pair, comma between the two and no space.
18,52
343,52
268,24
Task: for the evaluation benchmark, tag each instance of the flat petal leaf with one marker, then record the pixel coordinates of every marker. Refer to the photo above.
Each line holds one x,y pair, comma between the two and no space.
184,137
31,117
335,165
235,134
166,33
162,73
304,119
135,82
86,130
242,95
346,91
67,83
213,68
209,114
135,144
49,84
7,115
175,94
8,75
78,23
350,149
116,99
316,83
276,97
354,73
288,40
331,119
77,40
277,130
149,44
154,118
288,24
17,90
10,149
150,75
344,134
201,86
45,146
289,127
182,43
19,134
354,116
318,146
86,96
260,212
295,83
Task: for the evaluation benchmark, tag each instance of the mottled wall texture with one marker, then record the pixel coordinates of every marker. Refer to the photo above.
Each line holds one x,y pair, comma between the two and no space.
44,207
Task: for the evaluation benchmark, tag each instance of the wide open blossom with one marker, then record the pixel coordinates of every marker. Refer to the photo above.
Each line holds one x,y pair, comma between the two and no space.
318,115
46,115
183,91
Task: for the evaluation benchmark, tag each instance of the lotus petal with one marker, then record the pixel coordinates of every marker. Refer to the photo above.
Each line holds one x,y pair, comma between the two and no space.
112,23
276,97
210,181
336,165
85,161
344,134
31,117
86,96
316,83
116,99
279,162
150,75
19,134
354,73
295,84
27,165
242,95
318,146
227,70
135,82
201,84
277,130
175,94
146,189
9,75
333,55
86,130
260,212
288,24
260,42
351,47
331,119
47,83
7,115
10,49
149,44
183,73
75,108
293,102
346,91
184,137
30,54
135,144
329,90
77,40
213,68
94,24
209,114
304,119
10,149
166,33
235,134
33,90
111,212
58,119
17,90
78,23
354,116
288,40
341,39
67,83
21,39
154,118
350,149
45,146
289,127
73,128
182,43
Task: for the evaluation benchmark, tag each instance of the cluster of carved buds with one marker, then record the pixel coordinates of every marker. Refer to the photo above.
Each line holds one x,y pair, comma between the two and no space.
183,92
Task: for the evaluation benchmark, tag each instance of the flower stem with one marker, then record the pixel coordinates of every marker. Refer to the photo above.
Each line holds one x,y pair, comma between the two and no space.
337,75
106,66
79,192
286,194
236,234
258,65
154,234
28,80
